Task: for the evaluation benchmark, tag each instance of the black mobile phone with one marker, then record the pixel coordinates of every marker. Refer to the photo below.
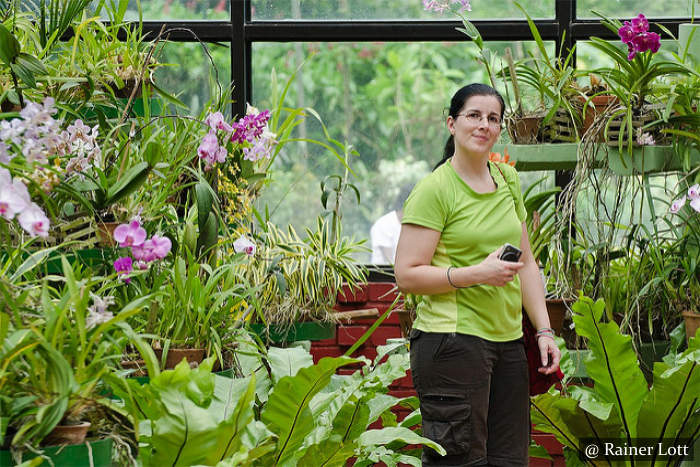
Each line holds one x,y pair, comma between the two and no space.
510,253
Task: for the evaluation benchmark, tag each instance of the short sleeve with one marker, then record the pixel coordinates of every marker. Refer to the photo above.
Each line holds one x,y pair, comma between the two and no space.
425,206
513,180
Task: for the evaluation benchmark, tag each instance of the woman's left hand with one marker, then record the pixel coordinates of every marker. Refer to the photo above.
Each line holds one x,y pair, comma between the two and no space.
550,354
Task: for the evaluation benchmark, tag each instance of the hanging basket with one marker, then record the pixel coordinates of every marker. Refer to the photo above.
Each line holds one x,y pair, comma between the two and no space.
560,129
523,130
640,118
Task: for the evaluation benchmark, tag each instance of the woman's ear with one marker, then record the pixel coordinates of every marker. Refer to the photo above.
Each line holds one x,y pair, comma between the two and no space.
451,124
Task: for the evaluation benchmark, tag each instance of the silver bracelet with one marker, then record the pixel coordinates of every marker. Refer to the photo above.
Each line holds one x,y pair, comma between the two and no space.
450,280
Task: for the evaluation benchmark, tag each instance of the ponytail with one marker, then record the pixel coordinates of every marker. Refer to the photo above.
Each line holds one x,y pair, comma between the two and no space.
447,152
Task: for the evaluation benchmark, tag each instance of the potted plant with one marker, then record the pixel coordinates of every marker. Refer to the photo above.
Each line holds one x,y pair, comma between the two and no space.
555,80
300,278
57,345
620,404
632,78
684,290
285,410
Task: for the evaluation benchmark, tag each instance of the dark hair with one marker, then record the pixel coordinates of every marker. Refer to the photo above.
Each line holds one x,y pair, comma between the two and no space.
456,104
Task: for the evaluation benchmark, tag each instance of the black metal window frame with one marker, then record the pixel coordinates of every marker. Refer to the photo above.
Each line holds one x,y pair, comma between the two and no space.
242,31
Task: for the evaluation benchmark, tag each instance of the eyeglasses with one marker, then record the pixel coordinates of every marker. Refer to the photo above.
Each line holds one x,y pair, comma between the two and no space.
475,118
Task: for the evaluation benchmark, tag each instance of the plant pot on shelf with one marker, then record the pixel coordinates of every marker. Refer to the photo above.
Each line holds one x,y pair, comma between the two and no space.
193,356
67,434
692,323
523,130
560,129
593,109
105,233
557,308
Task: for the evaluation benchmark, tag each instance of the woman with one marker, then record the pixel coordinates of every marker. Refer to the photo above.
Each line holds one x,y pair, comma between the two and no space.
467,356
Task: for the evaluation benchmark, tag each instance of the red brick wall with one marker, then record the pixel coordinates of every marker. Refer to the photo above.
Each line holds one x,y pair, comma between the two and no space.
381,295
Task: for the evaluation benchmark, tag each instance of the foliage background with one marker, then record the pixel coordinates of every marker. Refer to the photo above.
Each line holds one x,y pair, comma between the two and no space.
387,100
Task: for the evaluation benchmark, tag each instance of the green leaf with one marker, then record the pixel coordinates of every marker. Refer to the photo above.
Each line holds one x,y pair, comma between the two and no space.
31,63
205,202
287,411
396,433
612,364
24,74
667,409
9,46
287,362
128,183
331,452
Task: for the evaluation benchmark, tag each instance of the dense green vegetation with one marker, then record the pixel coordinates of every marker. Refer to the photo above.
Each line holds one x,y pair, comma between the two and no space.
386,100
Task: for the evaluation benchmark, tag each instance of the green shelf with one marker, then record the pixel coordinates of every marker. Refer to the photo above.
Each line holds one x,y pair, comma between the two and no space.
97,454
302,331
564,156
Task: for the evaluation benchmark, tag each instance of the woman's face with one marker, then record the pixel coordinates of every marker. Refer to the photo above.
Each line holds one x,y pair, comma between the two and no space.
477,126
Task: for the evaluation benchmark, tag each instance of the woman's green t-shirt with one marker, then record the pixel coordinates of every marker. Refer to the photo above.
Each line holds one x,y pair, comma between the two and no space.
472,225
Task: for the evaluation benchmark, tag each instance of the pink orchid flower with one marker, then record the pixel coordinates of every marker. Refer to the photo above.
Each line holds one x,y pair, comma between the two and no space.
677,205
244,245
131,234
124,266
216,121
34,221
161,246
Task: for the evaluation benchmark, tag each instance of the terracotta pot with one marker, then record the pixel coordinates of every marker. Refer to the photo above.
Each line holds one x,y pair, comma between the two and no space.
523,130
138,365
600,104
7,106
105,232
193,356
692,323
67,434
557,309
129,86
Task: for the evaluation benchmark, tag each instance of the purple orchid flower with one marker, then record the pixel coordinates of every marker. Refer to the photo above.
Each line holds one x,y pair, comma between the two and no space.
131,234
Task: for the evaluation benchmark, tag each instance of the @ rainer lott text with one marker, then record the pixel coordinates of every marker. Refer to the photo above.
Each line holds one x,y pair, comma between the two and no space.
611,449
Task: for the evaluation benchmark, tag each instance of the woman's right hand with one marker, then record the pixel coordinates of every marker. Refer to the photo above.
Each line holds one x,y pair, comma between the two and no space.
497,272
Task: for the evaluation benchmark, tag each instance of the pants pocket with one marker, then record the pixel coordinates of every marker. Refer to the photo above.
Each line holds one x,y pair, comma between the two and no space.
446,420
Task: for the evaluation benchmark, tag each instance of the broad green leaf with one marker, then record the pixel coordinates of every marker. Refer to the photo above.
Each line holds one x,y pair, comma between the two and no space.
666,408
287,411
332,452
9,46
287,362
31,63
205,202
24,74
612,364
396,433
587,400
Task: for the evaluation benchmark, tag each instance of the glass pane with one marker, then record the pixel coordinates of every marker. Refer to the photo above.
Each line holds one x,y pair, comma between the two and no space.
388,100
387,9
631,8
180,9
190,75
